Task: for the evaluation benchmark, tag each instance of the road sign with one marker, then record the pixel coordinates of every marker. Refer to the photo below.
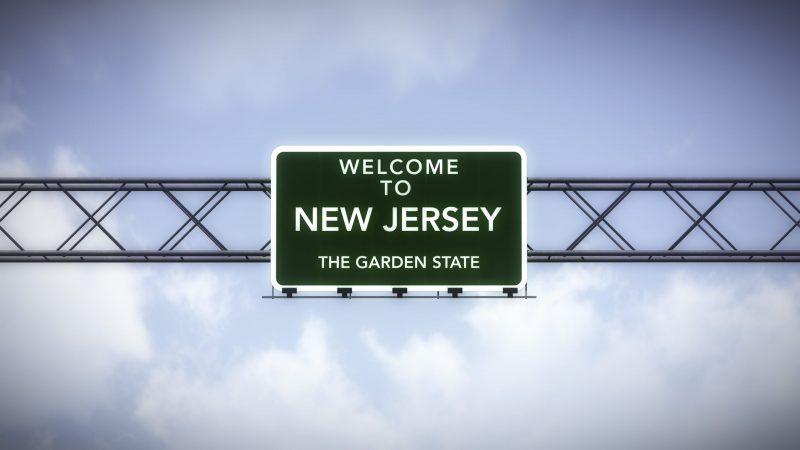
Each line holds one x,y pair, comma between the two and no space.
381,217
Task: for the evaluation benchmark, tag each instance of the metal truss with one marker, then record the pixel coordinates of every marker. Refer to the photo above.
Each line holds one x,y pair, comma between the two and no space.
722,250
118,189
13,191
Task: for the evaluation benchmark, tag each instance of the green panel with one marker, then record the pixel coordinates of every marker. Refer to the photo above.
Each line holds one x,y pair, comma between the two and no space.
487,179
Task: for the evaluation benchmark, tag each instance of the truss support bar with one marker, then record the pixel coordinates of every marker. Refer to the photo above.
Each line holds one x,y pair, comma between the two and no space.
134,256
557,256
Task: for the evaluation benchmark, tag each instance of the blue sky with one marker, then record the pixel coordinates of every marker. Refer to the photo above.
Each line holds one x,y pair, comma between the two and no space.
700,356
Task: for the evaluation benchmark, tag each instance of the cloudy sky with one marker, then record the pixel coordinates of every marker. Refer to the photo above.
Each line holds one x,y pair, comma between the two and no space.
607,356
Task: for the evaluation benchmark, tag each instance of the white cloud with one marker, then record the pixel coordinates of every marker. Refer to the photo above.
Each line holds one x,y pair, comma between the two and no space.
271,399
202,293
427,368
431,377
595,362
65,328
12,118
14,167
67,164
214,55
702,365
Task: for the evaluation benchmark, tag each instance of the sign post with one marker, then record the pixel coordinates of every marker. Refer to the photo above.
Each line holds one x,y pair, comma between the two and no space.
375,218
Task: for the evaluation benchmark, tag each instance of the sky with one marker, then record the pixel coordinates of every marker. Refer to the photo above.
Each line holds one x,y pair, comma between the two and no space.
607,356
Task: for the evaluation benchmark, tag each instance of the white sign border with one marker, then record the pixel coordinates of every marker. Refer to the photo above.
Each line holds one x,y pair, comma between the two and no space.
399,148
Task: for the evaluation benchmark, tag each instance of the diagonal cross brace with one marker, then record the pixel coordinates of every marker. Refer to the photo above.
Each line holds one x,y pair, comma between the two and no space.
604,222
795,222
702,217
591,217
787,199
10,238
702,228
600,218
192,218
708,222
188,221
14,192
205,214
112,208
3,230
267,193
14,205
105,202
91,217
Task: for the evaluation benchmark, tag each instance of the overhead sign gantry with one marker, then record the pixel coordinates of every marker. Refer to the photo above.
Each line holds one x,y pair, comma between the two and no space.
716,245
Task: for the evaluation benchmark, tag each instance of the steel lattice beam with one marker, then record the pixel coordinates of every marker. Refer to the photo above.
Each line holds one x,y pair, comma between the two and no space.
14,191
673,188
17,190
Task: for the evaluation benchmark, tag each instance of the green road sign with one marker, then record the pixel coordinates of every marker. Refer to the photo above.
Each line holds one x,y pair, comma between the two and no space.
380,217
